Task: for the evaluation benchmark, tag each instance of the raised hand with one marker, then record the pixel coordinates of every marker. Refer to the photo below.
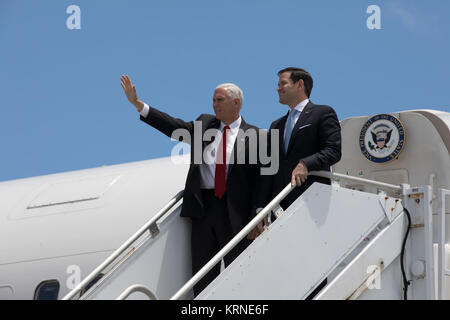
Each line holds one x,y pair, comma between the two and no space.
130,92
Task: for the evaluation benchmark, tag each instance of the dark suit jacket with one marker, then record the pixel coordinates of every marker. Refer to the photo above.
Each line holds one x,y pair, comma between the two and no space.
241,178
315,139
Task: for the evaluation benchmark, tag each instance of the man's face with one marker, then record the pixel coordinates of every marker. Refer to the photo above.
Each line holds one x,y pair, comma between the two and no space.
226,109
288,91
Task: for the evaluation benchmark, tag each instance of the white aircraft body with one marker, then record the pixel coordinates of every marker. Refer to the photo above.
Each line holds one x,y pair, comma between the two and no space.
56,230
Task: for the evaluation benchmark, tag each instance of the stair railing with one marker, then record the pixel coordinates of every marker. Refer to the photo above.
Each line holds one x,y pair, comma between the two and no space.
151,226
260,216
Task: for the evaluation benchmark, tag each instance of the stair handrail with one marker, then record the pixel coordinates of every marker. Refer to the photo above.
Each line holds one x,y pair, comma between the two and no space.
125,245
137,288
260,216
371,183
233,242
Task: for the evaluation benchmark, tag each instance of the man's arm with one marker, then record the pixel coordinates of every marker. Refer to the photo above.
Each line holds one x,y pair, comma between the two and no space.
330,143
330,148
157,119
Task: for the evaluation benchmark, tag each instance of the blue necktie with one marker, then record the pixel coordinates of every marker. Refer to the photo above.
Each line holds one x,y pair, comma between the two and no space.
290,123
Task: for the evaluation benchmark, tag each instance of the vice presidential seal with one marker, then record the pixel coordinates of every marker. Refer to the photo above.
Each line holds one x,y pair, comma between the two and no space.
382,138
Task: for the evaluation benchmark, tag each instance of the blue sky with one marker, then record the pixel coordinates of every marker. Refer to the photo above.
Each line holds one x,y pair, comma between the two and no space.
62,107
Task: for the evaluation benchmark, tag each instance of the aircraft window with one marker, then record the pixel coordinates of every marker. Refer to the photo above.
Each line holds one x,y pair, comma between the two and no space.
90,284
47,290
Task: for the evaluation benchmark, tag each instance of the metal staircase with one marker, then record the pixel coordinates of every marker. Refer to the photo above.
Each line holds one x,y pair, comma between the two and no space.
352,238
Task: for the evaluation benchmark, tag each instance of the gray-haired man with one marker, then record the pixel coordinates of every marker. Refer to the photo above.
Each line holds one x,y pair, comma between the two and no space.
219,196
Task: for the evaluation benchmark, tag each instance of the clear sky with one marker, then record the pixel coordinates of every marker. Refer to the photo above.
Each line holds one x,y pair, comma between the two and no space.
62,107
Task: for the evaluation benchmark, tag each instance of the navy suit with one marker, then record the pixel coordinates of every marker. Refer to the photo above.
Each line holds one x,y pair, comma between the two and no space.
315,139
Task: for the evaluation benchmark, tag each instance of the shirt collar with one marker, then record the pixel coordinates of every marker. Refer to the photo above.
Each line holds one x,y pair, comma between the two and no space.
234,125
301,105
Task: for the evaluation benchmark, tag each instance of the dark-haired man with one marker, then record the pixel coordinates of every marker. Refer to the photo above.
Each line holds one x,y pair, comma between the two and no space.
309,140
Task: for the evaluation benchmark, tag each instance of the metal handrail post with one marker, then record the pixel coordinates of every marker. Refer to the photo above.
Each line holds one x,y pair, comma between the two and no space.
429,247
442,193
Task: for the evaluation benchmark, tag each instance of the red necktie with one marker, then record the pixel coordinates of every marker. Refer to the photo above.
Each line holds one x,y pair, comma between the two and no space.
221,166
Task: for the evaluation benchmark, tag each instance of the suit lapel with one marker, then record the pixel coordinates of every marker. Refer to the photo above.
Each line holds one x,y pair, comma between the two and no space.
300,122
281,126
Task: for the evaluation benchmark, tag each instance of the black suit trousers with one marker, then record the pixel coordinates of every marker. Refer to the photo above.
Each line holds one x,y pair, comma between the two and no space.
209,235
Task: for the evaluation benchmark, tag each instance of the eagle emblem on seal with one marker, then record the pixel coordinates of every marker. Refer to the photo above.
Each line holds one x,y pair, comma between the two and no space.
382,138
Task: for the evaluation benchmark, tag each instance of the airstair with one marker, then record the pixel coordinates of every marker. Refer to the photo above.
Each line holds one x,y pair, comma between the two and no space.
377,232
368,245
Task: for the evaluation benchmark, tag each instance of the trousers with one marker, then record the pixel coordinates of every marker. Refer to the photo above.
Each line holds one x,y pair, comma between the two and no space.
209,235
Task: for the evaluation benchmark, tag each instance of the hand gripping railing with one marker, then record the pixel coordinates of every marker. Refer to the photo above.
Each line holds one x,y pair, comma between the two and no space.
148,226
260,216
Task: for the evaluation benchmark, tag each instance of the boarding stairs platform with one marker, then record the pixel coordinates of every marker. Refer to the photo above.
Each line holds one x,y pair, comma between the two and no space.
368,245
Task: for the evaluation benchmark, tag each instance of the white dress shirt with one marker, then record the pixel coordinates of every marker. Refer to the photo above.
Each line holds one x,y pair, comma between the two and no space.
145,110
208,167
299,108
